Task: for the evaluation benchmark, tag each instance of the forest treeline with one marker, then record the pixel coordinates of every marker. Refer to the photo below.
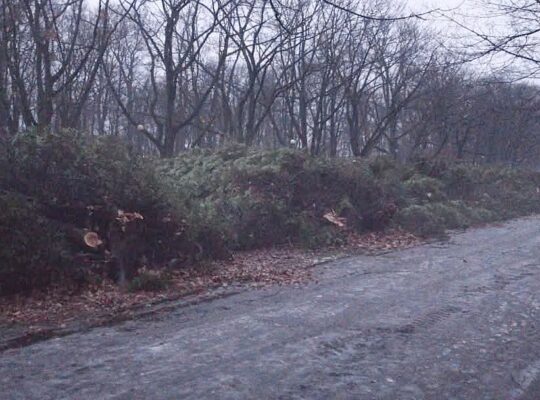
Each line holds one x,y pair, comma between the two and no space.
171,75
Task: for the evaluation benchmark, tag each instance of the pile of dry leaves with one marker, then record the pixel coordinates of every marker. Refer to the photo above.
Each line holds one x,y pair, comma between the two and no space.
103,302
376,242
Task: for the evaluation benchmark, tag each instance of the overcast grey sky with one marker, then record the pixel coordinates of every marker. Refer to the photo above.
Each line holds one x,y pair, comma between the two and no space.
418,6
423,5
471,13
415,5
463,10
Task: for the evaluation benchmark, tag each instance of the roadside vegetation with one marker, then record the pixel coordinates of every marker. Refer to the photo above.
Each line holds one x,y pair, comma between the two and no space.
169,214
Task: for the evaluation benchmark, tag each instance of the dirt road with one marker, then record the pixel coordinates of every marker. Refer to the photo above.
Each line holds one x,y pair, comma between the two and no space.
456,320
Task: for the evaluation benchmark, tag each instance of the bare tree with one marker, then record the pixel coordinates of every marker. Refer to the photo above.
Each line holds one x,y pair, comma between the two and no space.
176,34
53,50
245,89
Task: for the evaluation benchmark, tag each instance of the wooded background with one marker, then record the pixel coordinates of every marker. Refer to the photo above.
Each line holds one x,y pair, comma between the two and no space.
333,78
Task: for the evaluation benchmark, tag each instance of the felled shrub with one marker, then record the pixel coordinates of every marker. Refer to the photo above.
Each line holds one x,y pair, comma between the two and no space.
460,181
350,188
507,192
310,233
424,189
262,223
382,165
79,183
420,220
451,215
345,209
33,251
149,281
475,214
66,173
255,196
434,168
515,204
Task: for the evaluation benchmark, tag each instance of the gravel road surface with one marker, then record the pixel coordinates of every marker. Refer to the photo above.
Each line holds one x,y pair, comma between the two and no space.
452,320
